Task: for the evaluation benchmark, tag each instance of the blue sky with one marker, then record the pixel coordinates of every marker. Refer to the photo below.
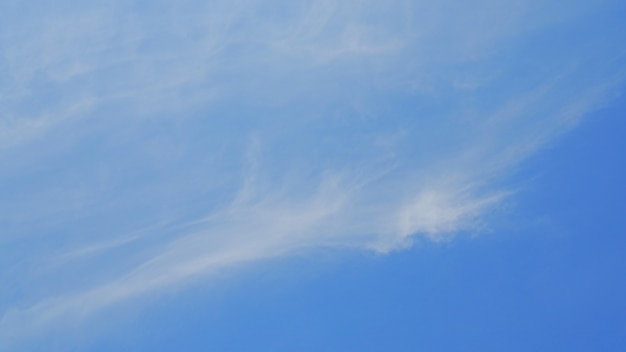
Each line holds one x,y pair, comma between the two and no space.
312,175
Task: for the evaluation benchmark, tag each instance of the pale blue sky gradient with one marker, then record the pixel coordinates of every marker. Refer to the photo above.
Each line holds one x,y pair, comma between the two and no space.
312,175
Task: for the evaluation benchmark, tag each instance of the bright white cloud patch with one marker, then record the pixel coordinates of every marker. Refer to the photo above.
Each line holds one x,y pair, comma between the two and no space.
144,145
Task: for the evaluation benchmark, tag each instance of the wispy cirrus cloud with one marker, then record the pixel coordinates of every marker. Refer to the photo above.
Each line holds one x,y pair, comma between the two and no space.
233,133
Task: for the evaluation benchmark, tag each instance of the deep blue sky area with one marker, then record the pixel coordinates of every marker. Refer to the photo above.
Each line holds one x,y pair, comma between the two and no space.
555,282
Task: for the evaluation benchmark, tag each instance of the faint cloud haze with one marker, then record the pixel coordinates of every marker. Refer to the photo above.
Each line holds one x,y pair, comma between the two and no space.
147,145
